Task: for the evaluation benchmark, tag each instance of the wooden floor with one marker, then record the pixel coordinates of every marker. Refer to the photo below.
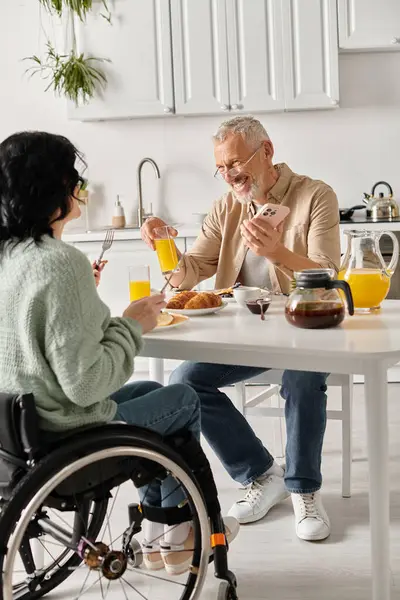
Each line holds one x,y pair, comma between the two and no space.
268,559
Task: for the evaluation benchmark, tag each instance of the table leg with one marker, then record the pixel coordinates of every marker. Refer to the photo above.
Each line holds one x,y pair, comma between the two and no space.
376,405
156,369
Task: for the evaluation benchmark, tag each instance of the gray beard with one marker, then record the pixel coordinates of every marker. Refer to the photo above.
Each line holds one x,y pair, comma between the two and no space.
245,198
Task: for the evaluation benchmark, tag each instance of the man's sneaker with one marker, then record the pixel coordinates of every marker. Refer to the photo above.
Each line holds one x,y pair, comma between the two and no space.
312,522
178,557
260,497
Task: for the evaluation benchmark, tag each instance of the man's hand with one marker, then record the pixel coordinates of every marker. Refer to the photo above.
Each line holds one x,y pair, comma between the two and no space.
97,271
262,239
148,228
145,311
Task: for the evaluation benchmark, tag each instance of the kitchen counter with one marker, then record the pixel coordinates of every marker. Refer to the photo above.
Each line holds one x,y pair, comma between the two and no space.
97,235
192,230
362,222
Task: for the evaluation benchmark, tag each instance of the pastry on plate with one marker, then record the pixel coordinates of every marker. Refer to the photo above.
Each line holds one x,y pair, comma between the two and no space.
179,301
203,300
164,319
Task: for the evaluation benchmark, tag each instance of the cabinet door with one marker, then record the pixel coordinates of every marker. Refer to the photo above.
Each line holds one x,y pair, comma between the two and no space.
200,56
369,24
310,54
138,44
255,55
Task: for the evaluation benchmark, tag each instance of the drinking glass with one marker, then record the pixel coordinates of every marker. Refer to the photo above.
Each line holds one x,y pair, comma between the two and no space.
166,250
139,282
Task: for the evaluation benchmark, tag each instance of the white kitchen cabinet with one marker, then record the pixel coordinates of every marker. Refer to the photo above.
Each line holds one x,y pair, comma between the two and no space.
369,24
255,55
138,44
200,56
219,57
310,59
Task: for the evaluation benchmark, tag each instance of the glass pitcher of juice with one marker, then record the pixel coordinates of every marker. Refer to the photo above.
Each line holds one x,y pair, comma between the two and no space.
166,250
365,270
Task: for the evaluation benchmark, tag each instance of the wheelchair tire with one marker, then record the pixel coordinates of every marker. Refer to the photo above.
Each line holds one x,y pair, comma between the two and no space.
31,492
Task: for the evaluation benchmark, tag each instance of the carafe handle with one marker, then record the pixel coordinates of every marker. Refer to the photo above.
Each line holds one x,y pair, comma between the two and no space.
344,286
395,257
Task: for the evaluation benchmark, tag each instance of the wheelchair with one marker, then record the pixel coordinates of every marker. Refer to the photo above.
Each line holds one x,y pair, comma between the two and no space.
67,513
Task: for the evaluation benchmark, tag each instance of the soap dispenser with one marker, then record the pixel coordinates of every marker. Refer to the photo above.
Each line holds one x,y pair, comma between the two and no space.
118,220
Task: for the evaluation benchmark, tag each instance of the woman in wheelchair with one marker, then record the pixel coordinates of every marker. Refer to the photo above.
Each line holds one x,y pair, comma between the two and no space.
63,365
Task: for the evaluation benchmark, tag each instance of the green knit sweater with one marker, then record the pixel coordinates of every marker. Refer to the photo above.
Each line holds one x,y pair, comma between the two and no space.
57,339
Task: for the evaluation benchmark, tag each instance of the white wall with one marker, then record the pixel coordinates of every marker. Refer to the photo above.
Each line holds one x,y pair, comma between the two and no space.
350,148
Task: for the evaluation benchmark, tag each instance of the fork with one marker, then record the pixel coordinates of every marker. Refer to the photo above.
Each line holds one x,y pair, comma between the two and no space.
108,240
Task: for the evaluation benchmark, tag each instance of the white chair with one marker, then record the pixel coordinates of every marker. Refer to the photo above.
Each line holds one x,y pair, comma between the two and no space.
273,379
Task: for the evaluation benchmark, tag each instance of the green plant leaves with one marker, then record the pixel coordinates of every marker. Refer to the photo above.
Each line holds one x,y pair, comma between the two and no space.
79,7
75,77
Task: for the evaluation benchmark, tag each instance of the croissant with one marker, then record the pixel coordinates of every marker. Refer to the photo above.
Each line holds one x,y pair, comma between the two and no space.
179,301
203,300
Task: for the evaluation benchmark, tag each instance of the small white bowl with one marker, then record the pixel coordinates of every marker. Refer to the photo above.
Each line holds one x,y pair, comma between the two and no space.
244,293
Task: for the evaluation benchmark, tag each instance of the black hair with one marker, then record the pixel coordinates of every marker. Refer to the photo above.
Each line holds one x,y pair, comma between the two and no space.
37,179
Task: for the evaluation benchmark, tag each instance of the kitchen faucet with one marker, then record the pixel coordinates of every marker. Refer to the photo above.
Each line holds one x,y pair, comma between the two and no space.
139,186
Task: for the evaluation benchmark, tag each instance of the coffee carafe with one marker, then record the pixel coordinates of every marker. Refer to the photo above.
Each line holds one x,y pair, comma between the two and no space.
316,303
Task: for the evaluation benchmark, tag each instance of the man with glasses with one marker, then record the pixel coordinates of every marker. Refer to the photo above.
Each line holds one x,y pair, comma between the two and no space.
234,248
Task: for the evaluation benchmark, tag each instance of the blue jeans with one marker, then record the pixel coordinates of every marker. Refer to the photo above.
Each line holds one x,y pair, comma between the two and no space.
233,440
165,410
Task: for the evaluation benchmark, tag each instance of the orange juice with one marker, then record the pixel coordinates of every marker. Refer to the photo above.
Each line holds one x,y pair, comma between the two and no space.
167,255
368,286
138,289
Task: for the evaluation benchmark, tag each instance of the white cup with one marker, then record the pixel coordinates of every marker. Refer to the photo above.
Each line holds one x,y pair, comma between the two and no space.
244,293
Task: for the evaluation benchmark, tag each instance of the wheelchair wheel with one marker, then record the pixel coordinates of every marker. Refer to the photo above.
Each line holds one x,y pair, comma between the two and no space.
52,562
98,561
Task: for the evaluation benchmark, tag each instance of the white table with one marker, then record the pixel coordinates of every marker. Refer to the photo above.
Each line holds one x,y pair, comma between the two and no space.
364,344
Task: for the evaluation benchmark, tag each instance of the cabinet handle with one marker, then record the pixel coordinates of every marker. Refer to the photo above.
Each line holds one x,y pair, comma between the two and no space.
396,40
224,107
167,109
237,107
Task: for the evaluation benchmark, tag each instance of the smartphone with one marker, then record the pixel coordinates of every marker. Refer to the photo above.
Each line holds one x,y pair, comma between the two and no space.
274,214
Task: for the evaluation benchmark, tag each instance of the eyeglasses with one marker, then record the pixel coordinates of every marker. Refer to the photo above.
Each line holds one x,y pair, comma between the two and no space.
221,173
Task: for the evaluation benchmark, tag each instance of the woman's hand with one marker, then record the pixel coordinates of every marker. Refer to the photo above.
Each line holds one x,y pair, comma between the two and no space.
146,311
97,271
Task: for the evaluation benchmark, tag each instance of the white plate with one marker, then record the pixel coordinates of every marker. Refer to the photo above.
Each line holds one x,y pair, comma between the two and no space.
197,312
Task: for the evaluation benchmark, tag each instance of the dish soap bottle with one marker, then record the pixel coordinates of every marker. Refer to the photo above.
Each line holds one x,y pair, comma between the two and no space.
118,220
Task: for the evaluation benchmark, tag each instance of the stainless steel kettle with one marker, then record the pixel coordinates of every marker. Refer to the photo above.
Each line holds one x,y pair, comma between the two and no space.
381,208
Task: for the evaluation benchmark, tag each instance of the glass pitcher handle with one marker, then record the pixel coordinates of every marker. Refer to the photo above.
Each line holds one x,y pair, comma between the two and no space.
344,286
395,257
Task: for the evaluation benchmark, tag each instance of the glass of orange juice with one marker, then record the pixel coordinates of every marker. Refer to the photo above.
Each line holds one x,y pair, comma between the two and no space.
139,282
166,250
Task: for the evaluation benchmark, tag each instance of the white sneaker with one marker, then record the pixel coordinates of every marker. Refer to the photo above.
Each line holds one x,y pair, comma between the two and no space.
260,497
312,522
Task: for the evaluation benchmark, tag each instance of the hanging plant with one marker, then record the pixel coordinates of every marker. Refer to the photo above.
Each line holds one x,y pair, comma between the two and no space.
73,75
80,7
